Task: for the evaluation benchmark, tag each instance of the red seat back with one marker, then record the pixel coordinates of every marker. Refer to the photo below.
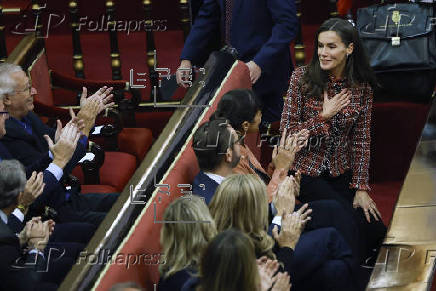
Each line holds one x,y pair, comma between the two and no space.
40,75
395,131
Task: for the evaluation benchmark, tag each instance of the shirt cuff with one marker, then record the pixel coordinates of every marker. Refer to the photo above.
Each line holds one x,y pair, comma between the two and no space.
18,214
277,220
55,170
36,251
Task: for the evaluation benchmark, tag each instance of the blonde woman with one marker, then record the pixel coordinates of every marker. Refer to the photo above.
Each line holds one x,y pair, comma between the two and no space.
316,260
182,243
234,248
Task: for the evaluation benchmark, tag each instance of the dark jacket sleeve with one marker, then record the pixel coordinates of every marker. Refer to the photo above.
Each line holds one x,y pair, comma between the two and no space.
38,165
78,153
15,224
284,30
19,272
284,255
202,32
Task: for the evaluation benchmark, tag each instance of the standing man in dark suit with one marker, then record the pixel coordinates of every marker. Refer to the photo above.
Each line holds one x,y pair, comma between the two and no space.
261,32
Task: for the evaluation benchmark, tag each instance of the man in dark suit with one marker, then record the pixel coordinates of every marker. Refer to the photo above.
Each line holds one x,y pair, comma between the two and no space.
25,136
216,146
27,139
261,31
17,271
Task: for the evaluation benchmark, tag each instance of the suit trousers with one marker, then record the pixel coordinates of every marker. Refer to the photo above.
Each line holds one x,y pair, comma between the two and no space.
91,208
371,234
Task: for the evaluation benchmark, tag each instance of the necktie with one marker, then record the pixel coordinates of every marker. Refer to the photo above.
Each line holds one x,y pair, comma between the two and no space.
229,7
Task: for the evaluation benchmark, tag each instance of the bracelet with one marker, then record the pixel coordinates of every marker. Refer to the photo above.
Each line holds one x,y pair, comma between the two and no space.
22,207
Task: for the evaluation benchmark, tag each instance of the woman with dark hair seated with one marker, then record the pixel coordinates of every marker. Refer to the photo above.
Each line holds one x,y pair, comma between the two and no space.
229,263
243,110
332,98
182,243
318,260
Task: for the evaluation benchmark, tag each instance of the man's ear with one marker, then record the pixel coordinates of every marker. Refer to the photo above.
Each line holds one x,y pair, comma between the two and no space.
7,100
228,156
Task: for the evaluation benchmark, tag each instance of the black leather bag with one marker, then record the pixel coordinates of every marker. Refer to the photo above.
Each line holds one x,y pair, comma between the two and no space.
400,41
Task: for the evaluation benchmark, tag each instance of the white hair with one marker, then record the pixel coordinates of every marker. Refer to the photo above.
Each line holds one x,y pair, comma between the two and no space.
7,83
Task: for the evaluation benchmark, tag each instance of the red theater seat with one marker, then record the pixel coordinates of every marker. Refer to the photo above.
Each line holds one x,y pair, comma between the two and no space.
116,171
135,141
98,189
145,236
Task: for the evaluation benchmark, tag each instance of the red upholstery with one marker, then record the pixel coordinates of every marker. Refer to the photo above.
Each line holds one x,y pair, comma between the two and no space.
98,189
395,131
116,171
145,237
135,141
155,121
41,81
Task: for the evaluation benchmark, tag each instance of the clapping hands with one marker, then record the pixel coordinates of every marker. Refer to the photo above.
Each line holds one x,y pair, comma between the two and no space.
267,268
92,106
36,233
283,155
34,187
291,227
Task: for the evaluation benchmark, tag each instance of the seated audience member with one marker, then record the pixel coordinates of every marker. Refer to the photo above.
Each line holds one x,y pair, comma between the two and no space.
182,243
66,240
126,286
241,109
217,149
25,131
19,271
332,98
317,260
229,263
25,137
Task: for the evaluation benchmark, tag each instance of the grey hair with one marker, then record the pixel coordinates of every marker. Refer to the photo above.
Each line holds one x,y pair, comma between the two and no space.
7,83
12,182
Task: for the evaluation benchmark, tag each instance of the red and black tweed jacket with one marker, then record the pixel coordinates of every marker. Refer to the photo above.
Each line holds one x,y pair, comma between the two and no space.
336,145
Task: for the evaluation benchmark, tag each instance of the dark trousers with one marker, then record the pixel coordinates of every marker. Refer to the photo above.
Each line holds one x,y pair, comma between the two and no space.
59,259
91,208
342,221
75,232
322,254
371,234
